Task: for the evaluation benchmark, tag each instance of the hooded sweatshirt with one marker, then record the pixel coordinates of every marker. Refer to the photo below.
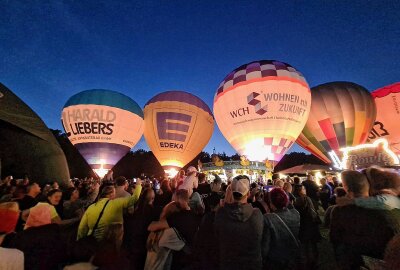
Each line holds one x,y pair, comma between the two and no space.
239,229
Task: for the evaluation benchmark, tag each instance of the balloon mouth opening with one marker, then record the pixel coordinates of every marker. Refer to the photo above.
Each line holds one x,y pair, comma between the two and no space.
170,171
101,169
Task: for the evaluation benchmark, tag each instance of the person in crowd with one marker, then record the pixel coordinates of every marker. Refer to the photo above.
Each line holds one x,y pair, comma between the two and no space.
384,189
309,233
8,193
113,211
45,212
279,183
110,256
121,184
55,185
74,205
10,258
109,176
325,193
18,193
191,180
42,197
239,229
179,179
135,228
281,248
206,246
27,202
392,254
357,231
336,182
178,215
204,188
215,194
288,188
228,196
339,192
9,214
259,201
312,190
164,195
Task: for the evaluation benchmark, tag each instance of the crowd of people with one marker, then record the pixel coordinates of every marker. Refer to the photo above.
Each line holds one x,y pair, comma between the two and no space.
187,222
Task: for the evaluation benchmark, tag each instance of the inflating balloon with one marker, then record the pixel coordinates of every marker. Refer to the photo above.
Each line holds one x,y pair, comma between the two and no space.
342,115
178,125
103,125
387,100
261,108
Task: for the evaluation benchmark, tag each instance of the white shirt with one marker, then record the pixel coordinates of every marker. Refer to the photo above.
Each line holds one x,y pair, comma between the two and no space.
189,183
11,259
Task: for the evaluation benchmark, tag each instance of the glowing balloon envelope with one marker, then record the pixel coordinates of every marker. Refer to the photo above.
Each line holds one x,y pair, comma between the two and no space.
342,115
387,100
103,125
178,125
261,108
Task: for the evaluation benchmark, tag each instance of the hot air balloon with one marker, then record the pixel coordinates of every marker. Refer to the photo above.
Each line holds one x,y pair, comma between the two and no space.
178,125
387,112
261,108
342,115
103,125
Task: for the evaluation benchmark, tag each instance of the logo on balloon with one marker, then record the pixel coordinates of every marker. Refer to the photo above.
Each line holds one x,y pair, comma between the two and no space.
251,100
174,127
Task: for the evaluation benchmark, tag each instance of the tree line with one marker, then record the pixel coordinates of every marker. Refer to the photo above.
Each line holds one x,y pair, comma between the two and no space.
137,163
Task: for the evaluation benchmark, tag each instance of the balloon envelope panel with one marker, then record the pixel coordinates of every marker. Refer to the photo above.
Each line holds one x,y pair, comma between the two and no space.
103,125
178,125
261,108
387,100
342,114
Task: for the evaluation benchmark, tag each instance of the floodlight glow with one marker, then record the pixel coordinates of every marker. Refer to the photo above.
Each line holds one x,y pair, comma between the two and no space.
101,171
336,160
171,172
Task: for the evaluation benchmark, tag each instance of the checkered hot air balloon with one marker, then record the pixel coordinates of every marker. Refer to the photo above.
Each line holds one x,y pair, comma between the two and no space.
342,115
387,100
261,108
103,125
178,125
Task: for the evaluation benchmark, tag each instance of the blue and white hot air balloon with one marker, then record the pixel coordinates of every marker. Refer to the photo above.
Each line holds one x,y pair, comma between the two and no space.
103,125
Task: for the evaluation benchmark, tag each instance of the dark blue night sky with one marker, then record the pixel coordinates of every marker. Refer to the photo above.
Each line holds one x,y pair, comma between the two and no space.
50,50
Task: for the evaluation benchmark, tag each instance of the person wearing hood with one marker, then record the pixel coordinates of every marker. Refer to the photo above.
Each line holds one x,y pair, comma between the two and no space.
239,230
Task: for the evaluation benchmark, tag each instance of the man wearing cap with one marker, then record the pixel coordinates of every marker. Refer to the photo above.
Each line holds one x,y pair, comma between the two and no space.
239,230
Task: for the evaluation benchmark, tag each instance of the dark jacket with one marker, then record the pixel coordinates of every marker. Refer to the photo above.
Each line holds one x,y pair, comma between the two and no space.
312,191
239,231
280,247
206,244
309,220
357,231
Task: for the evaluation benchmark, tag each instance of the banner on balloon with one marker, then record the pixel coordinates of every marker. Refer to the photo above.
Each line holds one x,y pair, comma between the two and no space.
99,123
